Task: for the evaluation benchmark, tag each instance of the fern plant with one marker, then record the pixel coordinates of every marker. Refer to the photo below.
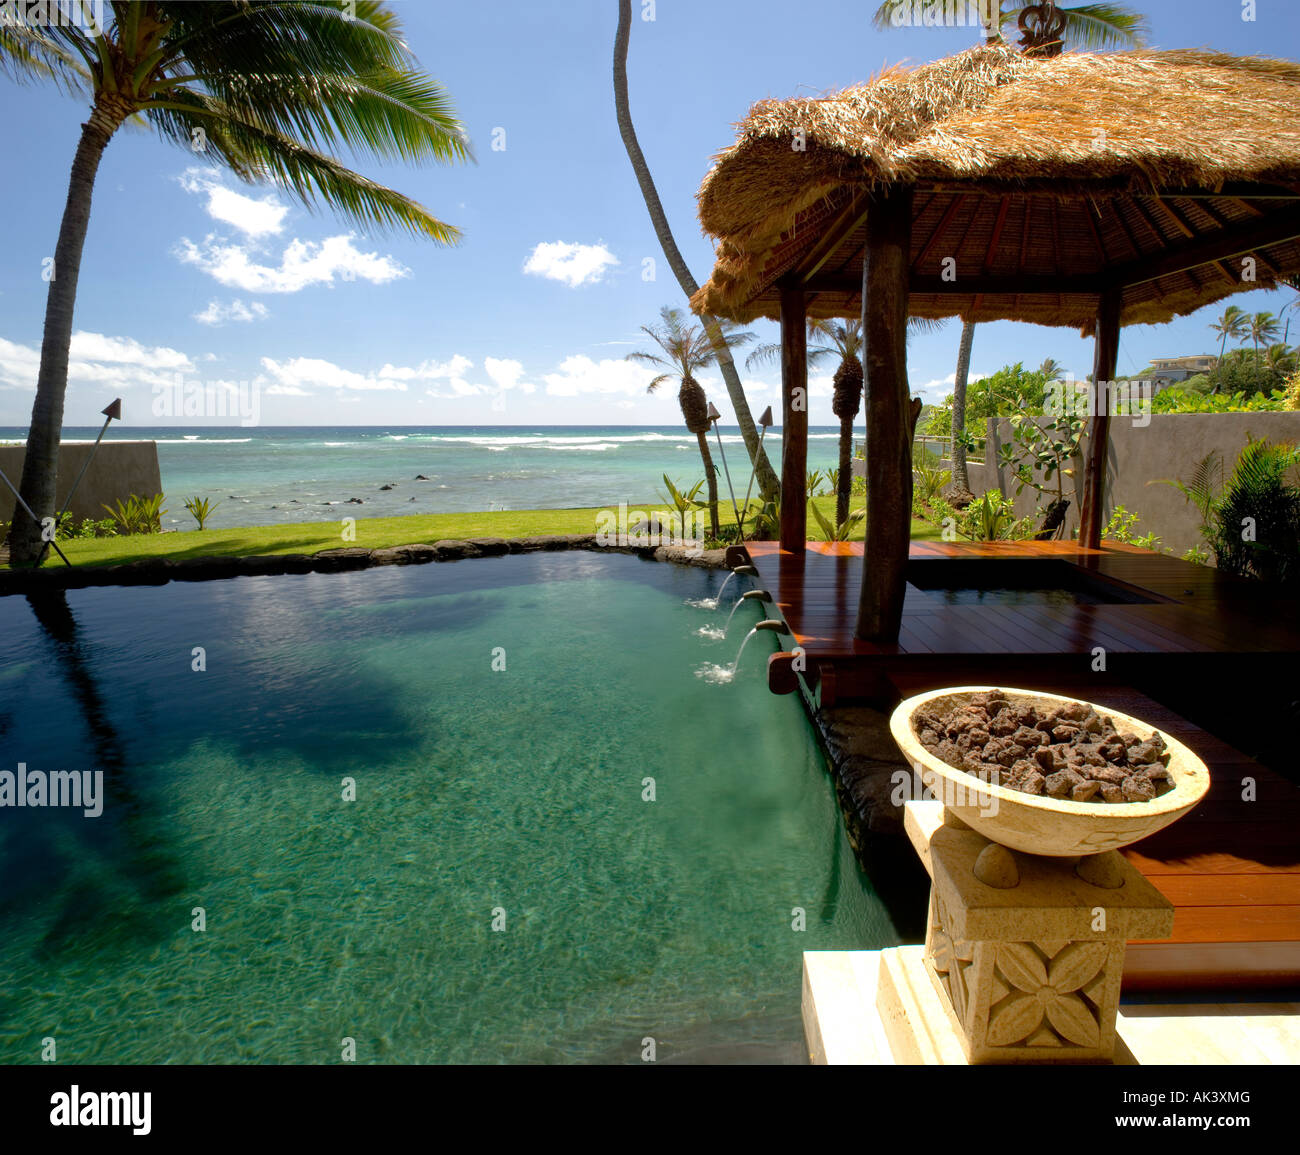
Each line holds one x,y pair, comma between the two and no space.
1251,520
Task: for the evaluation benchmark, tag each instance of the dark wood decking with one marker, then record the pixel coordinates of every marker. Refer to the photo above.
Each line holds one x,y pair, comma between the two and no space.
1206,612
1232,866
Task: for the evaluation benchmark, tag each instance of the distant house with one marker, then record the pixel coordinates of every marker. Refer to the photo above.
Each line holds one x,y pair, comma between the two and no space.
1165,371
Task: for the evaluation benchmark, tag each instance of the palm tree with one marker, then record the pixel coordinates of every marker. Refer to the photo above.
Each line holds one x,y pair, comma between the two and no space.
685,349
1263,327
1292,306
265,90
1083,26
1231,324
768,483
1279,359
1051,369
960,477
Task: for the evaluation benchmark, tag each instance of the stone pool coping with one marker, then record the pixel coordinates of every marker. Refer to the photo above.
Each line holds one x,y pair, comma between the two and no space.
160,570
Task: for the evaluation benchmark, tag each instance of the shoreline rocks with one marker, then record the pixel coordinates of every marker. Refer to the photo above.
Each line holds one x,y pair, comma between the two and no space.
159,571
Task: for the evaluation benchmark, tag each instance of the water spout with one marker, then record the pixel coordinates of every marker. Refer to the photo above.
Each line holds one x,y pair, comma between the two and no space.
761,595
747,570
772,624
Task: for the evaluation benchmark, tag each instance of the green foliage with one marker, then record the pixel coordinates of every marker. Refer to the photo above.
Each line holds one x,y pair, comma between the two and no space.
1012,390
841,532
1038,455
1120,528
814,483
137,514
66,530
1251,521
992,517
929,481
1240,371
683,501
201,508
1192,397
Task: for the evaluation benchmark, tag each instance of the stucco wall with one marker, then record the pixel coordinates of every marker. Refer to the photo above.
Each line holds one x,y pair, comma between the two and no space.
1171,446
119,469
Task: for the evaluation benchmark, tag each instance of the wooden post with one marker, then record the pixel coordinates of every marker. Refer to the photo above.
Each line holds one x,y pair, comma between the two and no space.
890,416
794,420
1106,353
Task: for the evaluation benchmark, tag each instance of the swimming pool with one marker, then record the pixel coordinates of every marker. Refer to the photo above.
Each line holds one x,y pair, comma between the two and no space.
501,721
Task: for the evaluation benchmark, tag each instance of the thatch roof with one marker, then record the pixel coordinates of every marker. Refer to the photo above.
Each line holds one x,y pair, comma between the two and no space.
1062,170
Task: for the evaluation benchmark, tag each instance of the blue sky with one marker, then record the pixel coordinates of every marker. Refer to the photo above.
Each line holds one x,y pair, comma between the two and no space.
528,320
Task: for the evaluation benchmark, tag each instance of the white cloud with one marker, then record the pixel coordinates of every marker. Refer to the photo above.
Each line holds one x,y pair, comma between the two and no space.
253,216
580,374
303,263
96,359
301,376
571,264
218,314
505,375
125,351
308,371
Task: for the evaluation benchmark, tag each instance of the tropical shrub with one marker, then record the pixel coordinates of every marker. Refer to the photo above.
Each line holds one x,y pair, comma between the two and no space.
201,508
992,517
1189,398
929,481
1251,521
844,530
137,514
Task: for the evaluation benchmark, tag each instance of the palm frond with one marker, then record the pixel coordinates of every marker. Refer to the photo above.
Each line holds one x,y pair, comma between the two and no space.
255,152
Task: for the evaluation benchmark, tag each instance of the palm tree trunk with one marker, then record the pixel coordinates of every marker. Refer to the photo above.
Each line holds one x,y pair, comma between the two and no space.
711,478
1218,368
960,478
41,464
768,483
845,486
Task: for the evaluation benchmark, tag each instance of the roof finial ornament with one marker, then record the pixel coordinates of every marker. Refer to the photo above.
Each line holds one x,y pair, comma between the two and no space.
1042,29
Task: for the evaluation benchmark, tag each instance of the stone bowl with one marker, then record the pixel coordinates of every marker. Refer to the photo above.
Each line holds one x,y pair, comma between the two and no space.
1036,824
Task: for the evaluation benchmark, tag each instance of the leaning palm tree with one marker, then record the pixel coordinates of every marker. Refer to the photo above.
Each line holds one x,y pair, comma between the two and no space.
1231,324
684,350
265,90
768,483
1046,27
1262,327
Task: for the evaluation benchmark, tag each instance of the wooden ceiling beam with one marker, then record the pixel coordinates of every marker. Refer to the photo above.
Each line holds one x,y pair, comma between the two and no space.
845,224
1237,241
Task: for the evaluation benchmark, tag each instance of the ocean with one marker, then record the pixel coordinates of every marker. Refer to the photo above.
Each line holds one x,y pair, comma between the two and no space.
266,475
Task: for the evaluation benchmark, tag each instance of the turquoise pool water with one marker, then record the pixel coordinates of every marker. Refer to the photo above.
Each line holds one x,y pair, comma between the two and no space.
512,793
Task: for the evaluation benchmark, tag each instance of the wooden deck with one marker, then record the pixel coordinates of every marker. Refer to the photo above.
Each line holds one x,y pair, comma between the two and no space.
1232,866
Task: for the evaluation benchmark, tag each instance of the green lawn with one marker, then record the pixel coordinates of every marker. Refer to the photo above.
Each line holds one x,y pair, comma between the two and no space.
371,533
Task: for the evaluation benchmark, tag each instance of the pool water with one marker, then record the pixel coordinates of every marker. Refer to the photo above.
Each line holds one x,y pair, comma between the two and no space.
511,796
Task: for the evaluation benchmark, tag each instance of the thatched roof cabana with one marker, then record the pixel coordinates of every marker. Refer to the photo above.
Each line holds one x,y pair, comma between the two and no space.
1088,190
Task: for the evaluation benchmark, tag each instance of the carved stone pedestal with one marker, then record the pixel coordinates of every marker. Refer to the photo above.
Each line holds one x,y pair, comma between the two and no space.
1025,953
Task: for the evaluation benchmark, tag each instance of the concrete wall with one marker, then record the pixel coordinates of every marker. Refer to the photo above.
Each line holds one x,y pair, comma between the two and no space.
1171,446
119,469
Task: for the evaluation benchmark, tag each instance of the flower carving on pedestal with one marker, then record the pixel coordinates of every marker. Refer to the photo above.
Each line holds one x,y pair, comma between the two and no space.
951,959
1042,997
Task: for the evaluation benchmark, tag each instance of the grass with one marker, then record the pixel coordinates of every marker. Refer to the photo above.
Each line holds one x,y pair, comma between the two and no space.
371,533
